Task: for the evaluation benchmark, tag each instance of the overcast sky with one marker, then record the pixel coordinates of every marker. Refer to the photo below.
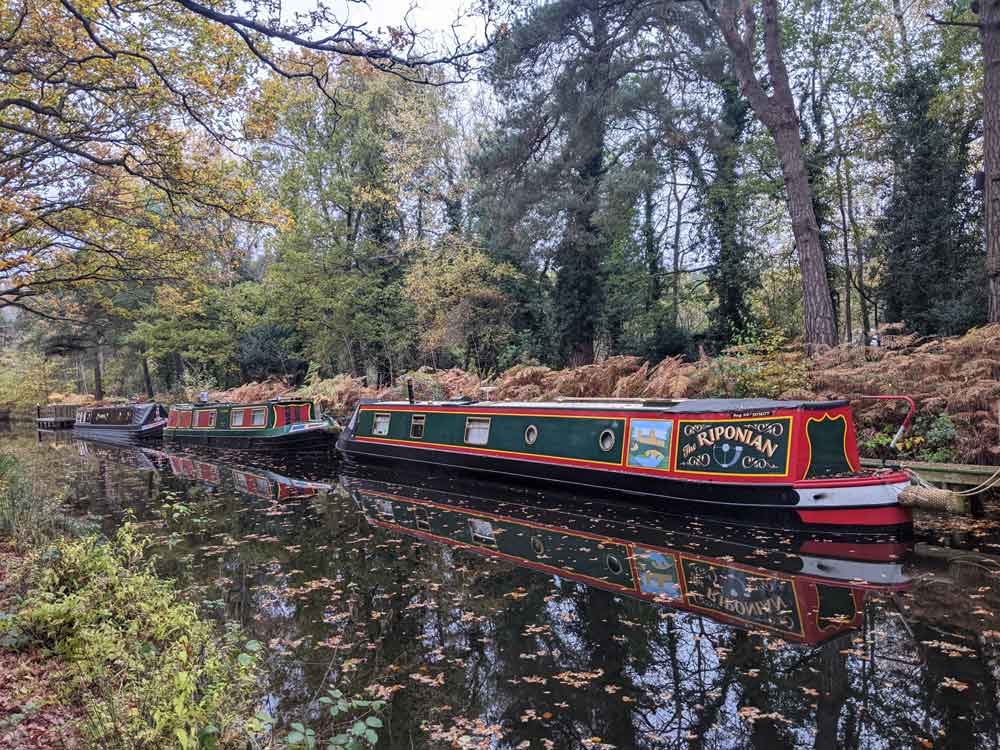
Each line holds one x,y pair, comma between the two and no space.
435,17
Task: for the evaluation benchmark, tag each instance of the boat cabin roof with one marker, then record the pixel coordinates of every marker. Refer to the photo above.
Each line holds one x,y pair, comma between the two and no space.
677,406
230,404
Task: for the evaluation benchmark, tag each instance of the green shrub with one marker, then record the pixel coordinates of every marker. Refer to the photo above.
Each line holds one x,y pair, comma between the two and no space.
932,438
758,366
29,521
151,673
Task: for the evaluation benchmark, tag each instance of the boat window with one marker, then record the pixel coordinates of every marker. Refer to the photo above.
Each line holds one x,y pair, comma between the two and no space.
304,415
537,546
184,418
205,418
530,434
259,416
417,425
236,417
381,424
607,440
613,564
477,430
422,520
482,531
385,509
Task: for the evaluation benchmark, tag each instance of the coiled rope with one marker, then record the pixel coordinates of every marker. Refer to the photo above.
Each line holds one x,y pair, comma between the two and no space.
989,483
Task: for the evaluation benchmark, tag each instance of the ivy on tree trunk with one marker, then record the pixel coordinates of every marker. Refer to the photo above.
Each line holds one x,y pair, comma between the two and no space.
738,22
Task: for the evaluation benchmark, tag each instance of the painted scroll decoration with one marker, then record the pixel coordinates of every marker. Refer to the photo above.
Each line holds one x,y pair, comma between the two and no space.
741,447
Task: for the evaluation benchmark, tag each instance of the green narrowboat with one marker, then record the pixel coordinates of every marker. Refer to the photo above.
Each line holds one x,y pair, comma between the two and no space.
799,458
280,424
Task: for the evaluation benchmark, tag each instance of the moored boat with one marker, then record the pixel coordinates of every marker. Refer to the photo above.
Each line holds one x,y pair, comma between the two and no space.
120,423
280,424
796,457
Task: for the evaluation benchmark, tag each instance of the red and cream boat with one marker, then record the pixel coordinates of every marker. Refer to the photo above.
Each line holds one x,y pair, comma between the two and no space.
795,457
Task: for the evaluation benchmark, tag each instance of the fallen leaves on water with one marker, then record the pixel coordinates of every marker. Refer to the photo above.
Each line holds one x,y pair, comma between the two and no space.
424,679
951,682
578,679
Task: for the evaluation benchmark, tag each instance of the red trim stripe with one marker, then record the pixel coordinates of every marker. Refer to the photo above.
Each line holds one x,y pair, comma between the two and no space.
889,515
879,552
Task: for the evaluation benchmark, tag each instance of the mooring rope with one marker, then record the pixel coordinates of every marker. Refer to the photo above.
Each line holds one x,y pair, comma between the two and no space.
989,483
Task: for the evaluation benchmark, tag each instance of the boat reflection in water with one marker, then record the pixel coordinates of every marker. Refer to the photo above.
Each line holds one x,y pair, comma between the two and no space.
806,588
246,480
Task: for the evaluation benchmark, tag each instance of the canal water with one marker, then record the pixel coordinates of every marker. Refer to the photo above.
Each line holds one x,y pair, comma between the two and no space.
491,616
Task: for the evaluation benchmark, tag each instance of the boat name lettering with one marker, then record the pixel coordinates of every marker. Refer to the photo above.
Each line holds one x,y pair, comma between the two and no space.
765,600
753,413
758,447
743,435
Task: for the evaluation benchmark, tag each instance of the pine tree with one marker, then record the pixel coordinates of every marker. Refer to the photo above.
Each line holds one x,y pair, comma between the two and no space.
928,232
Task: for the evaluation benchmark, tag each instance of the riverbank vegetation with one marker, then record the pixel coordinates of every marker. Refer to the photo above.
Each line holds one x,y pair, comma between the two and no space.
126,661
953,381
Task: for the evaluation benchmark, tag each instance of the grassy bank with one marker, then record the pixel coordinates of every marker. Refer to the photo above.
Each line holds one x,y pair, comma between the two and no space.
128,662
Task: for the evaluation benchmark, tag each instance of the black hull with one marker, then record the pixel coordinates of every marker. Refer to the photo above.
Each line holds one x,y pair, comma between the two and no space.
606,514
740,504
314,440
674,490
120,434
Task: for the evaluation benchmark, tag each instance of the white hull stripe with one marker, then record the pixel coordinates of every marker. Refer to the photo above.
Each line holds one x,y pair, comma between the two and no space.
846,497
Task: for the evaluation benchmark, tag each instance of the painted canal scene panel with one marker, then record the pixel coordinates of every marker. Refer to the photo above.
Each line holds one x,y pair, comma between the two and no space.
649,443
658,574
738,447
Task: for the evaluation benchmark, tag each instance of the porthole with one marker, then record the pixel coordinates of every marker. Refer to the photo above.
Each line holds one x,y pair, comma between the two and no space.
606,440
613,564
530,434
537,546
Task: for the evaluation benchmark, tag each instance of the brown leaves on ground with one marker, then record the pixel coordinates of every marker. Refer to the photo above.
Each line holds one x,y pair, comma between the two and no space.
249,393
32,715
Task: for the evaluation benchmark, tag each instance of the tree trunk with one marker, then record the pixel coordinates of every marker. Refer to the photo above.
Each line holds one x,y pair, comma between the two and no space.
651,251
98,367
147,380
904,39
989,16
81,374
817,304
675,292
848,323
859,253
737,22
579,287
